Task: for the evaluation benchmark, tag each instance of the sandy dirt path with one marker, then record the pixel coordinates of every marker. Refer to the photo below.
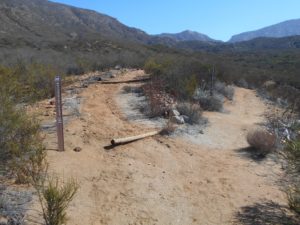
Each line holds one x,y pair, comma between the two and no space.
162,180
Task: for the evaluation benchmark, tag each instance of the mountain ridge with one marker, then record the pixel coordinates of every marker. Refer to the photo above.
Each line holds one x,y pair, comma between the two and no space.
279,30
187,35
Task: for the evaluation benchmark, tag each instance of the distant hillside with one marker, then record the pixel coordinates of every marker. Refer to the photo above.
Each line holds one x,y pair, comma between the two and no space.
61,34
284,29
257,44
43,20
188,36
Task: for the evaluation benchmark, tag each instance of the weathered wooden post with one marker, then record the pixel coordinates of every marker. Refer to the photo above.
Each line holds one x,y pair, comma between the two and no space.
59,115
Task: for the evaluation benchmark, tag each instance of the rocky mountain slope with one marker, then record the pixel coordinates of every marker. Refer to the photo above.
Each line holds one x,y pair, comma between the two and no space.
284,29
41,20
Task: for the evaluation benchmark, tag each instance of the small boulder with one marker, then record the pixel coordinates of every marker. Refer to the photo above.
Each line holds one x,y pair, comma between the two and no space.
177,119
77,149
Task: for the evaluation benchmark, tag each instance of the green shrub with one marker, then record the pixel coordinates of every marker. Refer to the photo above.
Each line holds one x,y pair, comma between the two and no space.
55,198
153,68
262,141
21,149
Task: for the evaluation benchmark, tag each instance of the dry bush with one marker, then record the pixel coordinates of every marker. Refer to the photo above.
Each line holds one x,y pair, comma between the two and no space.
159,102
192,111
132,89
225,90
211,103
208,102
262,141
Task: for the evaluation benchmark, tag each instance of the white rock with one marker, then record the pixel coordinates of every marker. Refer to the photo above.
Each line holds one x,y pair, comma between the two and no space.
178,119
174,112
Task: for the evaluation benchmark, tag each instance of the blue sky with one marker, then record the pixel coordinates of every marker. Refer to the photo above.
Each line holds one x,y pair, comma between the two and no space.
220,19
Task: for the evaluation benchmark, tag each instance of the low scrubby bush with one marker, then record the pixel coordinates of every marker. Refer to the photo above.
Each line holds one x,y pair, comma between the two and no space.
262,141
192,111
132,89
225,90
211,103
21,148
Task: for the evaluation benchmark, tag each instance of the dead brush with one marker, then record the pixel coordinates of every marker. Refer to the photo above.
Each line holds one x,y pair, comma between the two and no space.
262,141
159,102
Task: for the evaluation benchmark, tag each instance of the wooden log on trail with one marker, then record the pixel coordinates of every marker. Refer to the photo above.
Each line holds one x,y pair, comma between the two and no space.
125,140
126,81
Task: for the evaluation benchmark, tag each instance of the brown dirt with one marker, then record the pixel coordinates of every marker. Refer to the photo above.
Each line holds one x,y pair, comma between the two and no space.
162,180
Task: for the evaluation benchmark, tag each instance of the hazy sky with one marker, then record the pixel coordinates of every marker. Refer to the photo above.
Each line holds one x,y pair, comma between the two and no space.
220,19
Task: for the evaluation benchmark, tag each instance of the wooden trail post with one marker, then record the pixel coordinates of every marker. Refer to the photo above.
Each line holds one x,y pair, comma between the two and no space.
59,115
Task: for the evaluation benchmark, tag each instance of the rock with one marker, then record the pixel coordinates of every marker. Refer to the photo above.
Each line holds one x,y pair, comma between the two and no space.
98,78
113,76
174,112
118,67
3,221
77,149
177,119
46,114
52,102
201,132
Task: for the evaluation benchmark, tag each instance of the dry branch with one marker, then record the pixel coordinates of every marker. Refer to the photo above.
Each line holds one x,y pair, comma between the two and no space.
126,81
124,140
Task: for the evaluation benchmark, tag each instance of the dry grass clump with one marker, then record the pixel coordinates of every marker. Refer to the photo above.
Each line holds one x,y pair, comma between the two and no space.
261,140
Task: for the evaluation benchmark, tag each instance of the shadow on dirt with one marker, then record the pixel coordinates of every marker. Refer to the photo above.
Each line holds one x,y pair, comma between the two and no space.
267,213
251,153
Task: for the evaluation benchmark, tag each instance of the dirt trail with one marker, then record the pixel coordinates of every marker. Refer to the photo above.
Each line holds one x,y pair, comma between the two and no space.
161,180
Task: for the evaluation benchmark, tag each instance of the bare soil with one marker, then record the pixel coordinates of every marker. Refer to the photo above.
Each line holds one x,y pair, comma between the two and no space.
182,180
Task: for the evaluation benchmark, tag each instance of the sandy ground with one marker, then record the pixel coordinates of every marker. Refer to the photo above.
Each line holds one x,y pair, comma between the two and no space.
192,179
